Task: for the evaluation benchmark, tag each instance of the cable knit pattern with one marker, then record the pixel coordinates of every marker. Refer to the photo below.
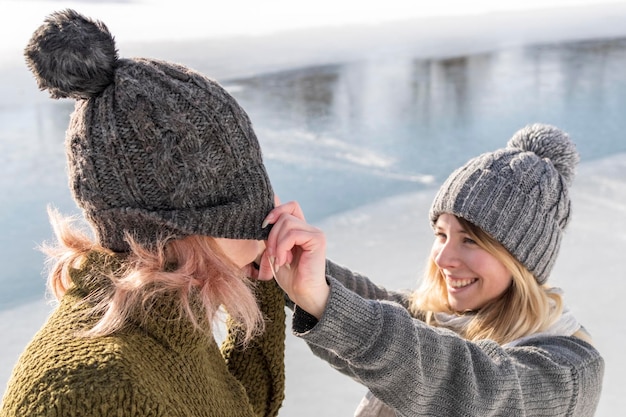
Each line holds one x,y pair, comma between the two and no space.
154,149
160,367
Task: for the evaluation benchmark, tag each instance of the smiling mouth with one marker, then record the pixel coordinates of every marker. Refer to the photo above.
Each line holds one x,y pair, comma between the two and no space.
461,283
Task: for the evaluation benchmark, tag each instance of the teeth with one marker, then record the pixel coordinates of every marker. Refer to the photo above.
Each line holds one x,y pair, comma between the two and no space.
460,283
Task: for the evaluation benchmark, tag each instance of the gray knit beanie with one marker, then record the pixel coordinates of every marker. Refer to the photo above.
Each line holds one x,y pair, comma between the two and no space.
154,149
518,195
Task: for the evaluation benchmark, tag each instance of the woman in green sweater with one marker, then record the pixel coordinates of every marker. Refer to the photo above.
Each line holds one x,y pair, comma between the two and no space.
168,173
485,334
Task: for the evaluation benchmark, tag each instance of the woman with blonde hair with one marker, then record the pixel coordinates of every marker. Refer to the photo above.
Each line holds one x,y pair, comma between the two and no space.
168,173
484,334
524,308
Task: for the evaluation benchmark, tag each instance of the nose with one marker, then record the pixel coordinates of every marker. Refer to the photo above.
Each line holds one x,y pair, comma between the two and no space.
445,255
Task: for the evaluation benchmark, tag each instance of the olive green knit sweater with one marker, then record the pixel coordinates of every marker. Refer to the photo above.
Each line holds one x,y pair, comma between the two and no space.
160,367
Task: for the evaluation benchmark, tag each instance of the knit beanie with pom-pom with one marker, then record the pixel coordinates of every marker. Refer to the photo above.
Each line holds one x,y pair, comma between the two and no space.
518,195
155,150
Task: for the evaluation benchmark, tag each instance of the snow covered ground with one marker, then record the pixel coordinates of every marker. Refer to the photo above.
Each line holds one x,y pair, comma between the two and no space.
389,239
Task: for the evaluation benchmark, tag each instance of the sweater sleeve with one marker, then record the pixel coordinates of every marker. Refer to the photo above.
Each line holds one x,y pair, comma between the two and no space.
360,285
363,286
260,366
420,370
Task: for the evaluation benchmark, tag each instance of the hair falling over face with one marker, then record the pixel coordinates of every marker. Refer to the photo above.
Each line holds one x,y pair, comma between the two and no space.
194,268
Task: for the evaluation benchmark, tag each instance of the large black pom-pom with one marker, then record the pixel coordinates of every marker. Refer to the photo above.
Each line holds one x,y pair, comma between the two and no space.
72,55
551,143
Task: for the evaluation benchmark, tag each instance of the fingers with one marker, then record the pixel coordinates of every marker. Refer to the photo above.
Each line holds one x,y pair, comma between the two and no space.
289,210
297,246
295,254
266,269
292,208
290,232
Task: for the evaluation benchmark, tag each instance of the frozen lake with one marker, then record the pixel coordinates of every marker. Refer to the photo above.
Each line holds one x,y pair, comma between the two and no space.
360,121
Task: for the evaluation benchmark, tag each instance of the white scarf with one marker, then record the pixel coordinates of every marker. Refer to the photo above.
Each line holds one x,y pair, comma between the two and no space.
566,325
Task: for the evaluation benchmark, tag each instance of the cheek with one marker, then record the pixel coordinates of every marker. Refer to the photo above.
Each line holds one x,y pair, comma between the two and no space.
250,251
241,252
500,278
434,252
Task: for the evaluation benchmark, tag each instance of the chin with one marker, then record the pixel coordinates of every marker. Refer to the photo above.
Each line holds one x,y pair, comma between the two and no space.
460,307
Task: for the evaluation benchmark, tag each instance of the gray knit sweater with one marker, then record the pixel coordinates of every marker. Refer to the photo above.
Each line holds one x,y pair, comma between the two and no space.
419,370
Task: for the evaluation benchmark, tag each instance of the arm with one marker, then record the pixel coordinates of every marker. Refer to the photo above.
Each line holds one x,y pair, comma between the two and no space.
421,370
301,248
358,284
260,366
363,286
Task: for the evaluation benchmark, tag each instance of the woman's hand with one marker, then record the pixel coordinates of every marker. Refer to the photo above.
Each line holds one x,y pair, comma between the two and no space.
296,255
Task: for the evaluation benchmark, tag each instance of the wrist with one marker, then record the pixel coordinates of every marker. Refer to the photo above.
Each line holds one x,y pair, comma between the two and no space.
316,302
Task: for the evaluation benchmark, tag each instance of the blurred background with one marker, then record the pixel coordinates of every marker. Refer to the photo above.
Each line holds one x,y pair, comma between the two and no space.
362,110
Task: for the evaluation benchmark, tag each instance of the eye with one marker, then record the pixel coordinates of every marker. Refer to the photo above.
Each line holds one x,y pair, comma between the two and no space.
440,236
469,241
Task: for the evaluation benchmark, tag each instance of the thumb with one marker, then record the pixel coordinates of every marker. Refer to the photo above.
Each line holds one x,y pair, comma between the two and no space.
266,271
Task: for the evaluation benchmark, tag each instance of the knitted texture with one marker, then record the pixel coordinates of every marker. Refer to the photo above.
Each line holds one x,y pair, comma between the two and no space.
260,366
518,195
162,366
155,150
419,370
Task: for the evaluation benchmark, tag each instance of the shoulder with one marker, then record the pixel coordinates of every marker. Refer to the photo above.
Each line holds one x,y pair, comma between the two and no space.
566,350
61,354
61,369
566,363
66,378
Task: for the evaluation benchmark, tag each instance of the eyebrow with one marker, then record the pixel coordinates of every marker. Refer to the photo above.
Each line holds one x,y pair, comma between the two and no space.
459,230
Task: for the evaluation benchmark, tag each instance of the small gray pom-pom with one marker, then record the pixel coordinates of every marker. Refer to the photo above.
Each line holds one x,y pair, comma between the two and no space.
551,143
72,55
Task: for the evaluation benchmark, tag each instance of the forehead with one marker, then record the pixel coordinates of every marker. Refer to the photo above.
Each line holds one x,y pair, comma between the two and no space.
447,220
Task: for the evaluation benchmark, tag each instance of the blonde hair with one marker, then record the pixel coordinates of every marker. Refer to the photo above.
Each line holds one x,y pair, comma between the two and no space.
192,268
526,307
